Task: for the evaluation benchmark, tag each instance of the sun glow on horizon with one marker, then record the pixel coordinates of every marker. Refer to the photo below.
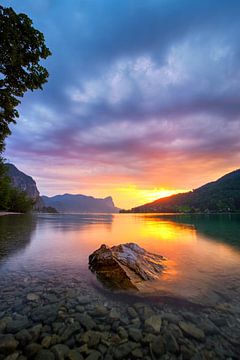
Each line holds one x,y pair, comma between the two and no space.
133,196
162,192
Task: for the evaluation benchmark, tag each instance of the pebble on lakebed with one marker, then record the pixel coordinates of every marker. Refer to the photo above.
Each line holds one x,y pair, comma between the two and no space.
66,318
125,266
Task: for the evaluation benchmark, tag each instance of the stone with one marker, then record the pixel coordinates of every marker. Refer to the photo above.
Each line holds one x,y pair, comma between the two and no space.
83,349
86,321
158,346
190,317
83,300
136,322
135,334
153,323
15,326
23,336
57,326
32,349
32,297
175,330
102,348
138,306
219,321
73,355
115,339
94,355
114,314
80,308
123,350
187,352
60,350
21,357
209,327
170,317
122,333
55,339
70,330
149,338
91,338
13,356
100,311
45,355
146,312
8,344
192,330
125,266
46,314
35,331
171,343
137,353
51,298
124,320
3,323
46,342
132,312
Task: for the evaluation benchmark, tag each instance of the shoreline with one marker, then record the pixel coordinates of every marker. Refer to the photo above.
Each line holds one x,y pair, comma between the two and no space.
180,213
2,213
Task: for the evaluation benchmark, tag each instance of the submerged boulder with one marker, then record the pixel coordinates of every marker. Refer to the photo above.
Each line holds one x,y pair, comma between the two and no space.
125,266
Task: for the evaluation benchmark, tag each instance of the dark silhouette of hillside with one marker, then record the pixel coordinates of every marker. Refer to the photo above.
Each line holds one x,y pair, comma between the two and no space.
222,195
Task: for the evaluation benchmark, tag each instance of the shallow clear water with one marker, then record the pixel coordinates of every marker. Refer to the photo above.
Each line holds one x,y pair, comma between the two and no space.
202,251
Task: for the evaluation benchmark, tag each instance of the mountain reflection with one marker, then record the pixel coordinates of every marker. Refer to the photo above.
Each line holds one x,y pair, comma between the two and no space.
76,222
15,234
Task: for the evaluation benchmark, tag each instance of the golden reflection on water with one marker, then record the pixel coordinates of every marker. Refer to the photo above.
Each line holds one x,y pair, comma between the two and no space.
196,263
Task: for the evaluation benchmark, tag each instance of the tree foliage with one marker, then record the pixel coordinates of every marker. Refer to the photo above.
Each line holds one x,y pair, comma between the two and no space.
21,49
12,199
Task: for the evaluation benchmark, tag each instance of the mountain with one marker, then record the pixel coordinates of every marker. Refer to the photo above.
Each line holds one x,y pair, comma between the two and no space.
69,203
222,195
24,183
63,203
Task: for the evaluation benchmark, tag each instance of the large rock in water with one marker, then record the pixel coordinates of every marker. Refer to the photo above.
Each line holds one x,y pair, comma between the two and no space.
125,266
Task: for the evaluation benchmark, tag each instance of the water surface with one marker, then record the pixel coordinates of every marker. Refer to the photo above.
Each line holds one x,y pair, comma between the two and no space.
202,251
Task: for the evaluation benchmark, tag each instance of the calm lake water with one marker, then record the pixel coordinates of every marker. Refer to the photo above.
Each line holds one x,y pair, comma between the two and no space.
202,251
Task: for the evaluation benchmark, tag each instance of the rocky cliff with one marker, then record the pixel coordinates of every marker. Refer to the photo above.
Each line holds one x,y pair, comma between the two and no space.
25,183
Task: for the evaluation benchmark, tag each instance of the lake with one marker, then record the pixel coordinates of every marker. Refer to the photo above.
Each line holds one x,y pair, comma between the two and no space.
202,251
49,297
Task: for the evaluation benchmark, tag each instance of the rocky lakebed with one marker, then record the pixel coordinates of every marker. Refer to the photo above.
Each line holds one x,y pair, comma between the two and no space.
53,314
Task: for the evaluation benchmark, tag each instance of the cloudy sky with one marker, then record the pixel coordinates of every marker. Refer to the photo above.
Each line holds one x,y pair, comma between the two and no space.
143,97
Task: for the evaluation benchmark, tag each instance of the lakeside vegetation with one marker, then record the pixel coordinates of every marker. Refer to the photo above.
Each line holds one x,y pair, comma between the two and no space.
12,199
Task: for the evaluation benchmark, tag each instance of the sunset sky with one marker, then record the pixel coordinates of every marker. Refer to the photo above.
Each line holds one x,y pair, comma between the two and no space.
143,98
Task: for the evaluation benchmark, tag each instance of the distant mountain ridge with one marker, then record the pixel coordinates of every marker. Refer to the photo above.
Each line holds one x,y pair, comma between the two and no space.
70,203
67,203
222,195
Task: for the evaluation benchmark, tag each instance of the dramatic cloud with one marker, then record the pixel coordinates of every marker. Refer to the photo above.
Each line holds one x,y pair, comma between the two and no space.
142,95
